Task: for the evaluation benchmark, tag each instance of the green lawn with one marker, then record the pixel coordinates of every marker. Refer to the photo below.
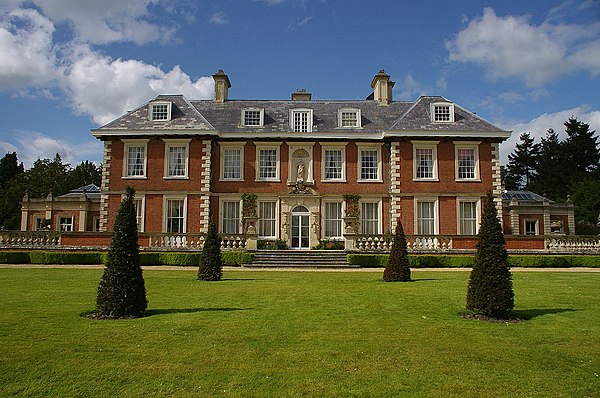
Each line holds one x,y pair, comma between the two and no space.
290,334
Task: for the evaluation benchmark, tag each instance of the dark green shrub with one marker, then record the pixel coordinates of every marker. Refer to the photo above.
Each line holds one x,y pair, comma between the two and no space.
367,260
236,258
210,266
277,244
178,258
584,261
122,292
150,258
14,258
398,267
490,289
325,244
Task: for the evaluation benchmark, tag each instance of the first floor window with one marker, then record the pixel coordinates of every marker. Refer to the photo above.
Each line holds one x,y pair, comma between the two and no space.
136,161
425,217
266,219
333,219
369,165
467,212
230,217
424,163
65,224
466,163
267,164
232,164
40,224
175,215
333,164
531,227
177,161
369,218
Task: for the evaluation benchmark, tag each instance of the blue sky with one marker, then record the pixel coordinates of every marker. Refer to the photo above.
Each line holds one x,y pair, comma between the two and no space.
68,66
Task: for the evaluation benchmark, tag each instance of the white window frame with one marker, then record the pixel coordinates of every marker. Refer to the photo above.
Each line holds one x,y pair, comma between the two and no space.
379,215
134,143
177,142
151,106
140,214
474,145
369,147
535,221
436,105
324,218
309,121
231,146
275,220
436,215
349,110
268,146
96,224
459,219
425,145
261,112
38,224
222,201
166,199
69,226
333,147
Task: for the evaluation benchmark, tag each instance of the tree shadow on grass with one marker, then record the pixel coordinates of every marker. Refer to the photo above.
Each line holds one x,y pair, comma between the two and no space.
165,311
535,312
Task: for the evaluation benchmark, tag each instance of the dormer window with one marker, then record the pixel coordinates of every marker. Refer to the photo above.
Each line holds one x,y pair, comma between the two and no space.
253,117
442,112
301,120
160,111
349,118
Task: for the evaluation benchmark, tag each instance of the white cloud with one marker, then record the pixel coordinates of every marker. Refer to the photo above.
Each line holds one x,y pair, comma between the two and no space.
107,21
31,146
104,88
539,125
512,47
28,57
219,18
297,25
410,89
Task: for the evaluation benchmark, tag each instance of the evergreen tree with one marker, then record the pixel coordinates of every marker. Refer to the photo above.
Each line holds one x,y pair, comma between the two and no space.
210,268
551,178
581,148
398,267
11,192
522,162
84,174
122,293
490,290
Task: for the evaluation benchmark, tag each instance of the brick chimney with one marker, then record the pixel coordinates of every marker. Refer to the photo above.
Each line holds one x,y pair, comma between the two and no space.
222,84
382,88
301,95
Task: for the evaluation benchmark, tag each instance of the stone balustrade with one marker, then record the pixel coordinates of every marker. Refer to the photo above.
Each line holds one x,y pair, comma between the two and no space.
193,241
413,243
39,239
573,244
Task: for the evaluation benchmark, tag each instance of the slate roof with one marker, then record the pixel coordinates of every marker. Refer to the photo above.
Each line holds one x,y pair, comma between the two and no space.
90,191
524,196
225,120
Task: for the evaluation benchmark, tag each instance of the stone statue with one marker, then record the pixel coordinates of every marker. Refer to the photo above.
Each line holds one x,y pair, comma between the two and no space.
300,175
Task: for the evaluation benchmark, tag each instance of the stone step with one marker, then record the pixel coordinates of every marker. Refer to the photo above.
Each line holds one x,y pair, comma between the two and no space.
296,258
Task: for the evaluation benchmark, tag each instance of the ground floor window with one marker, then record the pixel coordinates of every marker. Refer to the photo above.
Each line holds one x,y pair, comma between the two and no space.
333,219
175,217
467,217
139,213
531,227
369,218
425,217
267,219
65,224
230,217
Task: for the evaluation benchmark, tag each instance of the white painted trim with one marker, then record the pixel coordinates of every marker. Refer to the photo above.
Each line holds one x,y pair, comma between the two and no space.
231,146
369,147
331,146
268,145
176,142
436,214
425,145
151,105
467,145
230,198
134,143
460,200
243,117
166,198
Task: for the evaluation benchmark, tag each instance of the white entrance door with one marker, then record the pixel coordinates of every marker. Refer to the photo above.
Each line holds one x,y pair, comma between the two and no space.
300,228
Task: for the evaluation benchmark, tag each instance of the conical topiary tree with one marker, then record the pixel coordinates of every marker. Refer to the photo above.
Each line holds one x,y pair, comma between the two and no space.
122,293
490,289
210,268
398,267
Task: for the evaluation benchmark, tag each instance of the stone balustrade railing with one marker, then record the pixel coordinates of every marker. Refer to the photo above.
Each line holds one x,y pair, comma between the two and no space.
193,241
29,239
573,244
413,243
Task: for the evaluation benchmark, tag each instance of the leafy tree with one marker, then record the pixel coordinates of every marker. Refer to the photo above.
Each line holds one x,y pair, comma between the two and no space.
84,174
121,292
398,267
11,191
47,176
522,162
490,289
586,196
210,268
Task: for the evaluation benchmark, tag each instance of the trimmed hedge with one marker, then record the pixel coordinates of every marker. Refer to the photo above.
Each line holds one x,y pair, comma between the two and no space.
58,257
236,258
14,258
459,261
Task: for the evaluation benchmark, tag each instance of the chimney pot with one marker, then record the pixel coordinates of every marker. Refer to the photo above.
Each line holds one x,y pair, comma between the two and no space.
222,85
382,88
